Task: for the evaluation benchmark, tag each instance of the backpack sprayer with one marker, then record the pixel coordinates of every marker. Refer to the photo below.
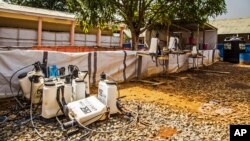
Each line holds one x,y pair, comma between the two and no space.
91,109
68,95
32,82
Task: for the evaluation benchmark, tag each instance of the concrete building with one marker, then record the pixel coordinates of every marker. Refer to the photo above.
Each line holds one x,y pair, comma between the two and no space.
232,27
22,26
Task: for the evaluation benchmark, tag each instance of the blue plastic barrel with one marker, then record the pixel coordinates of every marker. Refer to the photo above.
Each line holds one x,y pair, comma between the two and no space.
126,45
245,58
248,48
220,47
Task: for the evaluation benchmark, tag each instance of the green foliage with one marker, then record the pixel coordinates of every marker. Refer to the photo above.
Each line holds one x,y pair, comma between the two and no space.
92,13
138,15
59,5
198,11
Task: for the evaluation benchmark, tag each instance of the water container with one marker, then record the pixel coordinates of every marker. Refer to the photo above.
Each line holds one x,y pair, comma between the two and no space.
50,105
153,46
221,49
248,48
85,76
107,94
245,58
25,83
68,90
37,86
205,46
194,50
87,111
80,89
53,72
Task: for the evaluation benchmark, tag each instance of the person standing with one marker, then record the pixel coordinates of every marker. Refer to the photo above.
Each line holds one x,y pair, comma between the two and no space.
191,39
158,44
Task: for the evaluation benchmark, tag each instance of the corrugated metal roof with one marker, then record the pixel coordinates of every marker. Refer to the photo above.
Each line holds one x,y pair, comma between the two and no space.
5,7
232,26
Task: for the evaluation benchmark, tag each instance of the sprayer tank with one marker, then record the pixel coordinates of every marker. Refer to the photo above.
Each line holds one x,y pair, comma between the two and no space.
107,94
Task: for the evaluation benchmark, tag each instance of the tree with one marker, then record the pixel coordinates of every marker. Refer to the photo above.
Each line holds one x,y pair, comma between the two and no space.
59,5
138,15
199,11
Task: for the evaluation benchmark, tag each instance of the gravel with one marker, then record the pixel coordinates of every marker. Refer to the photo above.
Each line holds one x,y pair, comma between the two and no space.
191,106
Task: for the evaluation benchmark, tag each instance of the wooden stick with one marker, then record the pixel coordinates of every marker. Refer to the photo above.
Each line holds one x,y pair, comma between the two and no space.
211,71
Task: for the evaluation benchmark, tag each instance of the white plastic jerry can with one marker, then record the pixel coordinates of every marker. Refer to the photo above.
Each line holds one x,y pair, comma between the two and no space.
85,76
68,92
50,107
107,94
87,110
25,83
80,89
194,50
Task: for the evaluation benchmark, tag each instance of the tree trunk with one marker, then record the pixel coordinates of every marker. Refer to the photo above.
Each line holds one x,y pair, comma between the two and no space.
150,36
135,41
198,37
169,23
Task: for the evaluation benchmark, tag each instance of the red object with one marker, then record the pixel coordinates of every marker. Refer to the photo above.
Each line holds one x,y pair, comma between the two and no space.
191,41
205,46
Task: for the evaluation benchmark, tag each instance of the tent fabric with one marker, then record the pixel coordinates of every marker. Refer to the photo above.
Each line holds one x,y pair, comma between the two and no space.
118,65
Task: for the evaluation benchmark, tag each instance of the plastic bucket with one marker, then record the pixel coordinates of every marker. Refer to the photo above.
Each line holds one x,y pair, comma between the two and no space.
248,48
220,47
205,46
245,58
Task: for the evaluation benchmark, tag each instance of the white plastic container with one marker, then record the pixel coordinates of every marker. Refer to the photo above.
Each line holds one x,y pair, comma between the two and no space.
107,94
68,90
49,105
153,46
81,75
80,89
25,83
194,50
87,111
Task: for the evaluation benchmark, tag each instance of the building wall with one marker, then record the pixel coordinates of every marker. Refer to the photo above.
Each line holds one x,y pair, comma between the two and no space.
19,37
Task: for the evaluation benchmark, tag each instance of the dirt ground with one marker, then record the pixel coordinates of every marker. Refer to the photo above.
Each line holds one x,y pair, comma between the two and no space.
207,98
194,89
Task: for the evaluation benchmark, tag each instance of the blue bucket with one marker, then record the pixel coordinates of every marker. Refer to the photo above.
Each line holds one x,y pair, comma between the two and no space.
220,47
248,48
245,58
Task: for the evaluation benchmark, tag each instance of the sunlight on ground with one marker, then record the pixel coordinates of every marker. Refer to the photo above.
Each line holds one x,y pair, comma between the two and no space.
144,94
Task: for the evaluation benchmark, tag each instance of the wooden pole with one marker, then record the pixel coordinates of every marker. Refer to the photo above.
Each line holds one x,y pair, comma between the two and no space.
39,31
98,37
121,36
72,33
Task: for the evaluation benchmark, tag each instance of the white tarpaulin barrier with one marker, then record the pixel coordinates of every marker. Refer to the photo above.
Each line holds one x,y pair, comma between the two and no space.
120,65
18,37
